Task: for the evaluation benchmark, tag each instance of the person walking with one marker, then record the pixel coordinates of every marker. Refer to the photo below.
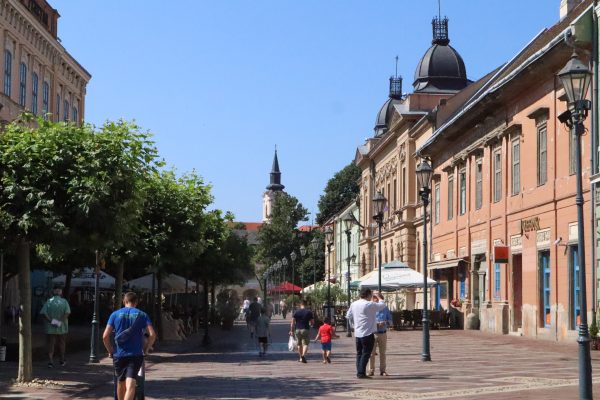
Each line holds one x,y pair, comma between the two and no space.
361,315
283,308
326,332
263,332
129,325
301,322
253,314
56,312
384,321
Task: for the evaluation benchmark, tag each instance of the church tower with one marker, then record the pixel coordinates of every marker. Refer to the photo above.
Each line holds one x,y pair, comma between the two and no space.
273,187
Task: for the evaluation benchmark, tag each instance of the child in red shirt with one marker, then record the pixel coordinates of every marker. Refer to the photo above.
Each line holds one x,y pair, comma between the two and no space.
326,332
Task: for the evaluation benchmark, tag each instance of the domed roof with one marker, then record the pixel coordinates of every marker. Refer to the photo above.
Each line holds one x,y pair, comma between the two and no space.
442,69
384,116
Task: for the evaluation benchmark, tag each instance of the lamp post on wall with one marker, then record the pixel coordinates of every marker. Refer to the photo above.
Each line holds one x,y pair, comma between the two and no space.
424,173
303,255
314,244
576,77
329,241
379,205
348,223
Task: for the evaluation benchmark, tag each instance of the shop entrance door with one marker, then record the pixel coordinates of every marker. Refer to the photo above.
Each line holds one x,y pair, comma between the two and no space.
517,293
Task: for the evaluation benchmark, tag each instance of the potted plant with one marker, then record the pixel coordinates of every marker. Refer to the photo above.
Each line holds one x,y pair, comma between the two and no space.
595,345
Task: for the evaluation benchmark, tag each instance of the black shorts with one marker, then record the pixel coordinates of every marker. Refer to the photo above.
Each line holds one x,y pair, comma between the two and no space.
127,367
262,340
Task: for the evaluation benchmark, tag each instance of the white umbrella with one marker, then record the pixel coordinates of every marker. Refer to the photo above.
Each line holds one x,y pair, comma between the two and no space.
170,284
396,275
85,278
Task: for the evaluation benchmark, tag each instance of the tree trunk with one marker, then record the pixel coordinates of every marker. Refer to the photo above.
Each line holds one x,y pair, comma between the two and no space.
159,305
213,303
25,365
68,278
119,284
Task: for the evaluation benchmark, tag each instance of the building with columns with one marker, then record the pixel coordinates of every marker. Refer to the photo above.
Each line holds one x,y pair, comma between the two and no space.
387,159
38,74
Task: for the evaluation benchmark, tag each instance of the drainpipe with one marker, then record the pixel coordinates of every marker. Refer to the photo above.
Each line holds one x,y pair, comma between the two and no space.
594,154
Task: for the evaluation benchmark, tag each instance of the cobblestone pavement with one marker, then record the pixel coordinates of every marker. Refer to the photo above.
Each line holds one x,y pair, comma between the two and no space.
465,365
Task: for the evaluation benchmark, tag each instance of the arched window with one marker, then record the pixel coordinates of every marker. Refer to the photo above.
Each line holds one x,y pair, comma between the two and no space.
22,84
34,93
66,111
75,115
392,251
45,99
7,71
57,118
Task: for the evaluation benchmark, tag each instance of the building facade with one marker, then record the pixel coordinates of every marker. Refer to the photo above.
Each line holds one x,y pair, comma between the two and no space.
38,74
387,160
504,176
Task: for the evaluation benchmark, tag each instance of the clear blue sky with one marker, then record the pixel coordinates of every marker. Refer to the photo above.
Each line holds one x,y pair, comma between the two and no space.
220,82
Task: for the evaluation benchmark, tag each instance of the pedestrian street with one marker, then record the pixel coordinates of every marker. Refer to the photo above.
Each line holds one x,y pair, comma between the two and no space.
465,365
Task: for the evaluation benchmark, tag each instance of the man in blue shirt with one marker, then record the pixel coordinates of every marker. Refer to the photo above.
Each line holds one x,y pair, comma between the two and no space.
130,323
384,321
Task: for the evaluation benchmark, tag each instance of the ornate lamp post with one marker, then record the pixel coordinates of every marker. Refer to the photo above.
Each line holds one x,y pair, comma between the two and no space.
424,173
95,323
293,257
329,241
348,223
576,77
314,244
303,255
378,206
284,262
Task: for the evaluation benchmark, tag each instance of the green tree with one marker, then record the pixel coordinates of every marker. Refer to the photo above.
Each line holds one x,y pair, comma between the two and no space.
280,237
339,192
62,183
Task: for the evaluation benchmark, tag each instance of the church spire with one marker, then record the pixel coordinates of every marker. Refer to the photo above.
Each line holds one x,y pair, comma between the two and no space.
275,183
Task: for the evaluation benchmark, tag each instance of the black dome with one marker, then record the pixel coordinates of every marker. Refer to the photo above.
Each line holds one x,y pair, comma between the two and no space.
384,116
441,69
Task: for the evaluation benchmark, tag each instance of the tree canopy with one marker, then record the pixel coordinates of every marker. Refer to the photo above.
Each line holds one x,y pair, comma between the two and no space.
339,192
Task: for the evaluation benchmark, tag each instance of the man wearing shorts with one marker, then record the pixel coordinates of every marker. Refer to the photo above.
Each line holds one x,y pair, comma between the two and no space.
128,359
301,322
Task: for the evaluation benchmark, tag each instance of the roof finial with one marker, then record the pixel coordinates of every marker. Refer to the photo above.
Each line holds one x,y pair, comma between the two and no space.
440,28
396,84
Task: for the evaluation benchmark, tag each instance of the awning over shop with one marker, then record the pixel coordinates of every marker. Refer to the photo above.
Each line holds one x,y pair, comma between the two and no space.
450,263
396,275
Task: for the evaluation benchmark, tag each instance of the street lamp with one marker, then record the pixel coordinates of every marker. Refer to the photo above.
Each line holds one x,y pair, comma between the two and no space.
348,223
284,262
96,315
303,255
576,77
424,173
314,244
329,241
378,206
293,257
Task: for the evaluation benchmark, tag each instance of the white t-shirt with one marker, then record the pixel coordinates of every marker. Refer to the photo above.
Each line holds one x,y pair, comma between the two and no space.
362,316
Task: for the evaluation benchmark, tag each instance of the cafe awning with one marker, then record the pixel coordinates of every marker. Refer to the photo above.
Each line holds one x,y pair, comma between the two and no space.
450,263
396,275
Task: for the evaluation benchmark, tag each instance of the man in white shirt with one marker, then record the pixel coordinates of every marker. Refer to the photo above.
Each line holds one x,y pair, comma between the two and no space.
361,315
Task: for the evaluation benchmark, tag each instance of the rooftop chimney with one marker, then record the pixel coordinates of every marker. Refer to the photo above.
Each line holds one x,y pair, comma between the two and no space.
566,6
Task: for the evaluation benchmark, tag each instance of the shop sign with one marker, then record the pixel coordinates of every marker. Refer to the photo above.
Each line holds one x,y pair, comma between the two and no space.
501,254
531,224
